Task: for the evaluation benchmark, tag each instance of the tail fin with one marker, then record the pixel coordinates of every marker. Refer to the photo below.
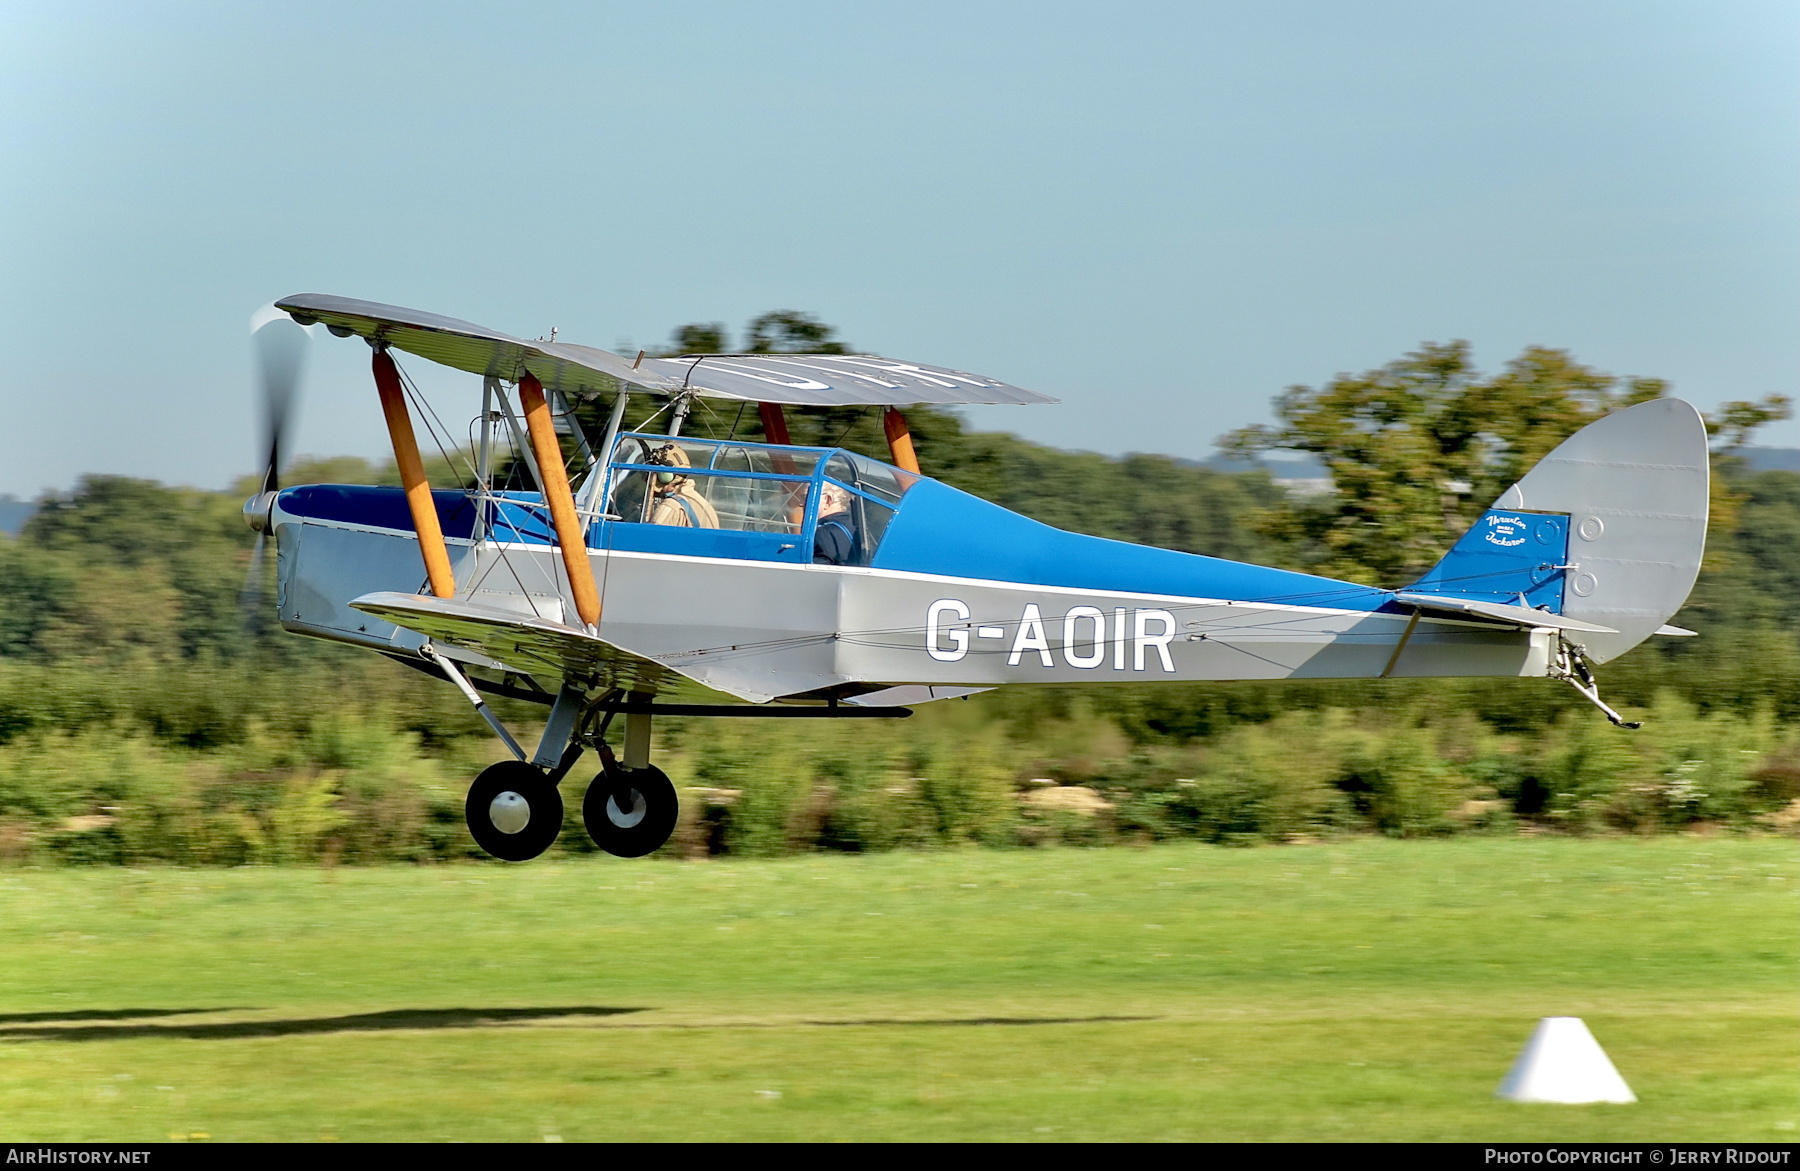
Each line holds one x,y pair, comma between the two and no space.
1607,529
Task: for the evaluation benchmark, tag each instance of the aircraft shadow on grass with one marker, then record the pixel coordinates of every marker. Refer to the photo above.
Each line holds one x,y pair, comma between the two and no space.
13,1027
399,1018
107,1014
970,1022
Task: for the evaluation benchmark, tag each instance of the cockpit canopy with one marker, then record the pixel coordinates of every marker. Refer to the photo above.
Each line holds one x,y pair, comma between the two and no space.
835,503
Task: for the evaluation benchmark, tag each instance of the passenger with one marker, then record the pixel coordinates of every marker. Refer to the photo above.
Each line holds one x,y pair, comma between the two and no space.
677,498
834,537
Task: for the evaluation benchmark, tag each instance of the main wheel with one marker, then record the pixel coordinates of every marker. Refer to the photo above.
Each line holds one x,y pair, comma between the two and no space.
630,812
513,811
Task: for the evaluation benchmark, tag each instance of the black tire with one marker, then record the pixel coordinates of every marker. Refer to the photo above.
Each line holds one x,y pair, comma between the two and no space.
544,803
648,822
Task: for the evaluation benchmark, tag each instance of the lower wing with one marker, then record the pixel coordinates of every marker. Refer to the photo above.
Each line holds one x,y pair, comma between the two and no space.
535,646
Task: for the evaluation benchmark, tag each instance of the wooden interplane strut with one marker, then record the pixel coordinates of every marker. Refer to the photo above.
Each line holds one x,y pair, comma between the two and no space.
774,423
412,476
555,483
899,438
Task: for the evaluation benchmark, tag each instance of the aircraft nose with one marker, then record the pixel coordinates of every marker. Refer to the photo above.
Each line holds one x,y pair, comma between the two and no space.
257,510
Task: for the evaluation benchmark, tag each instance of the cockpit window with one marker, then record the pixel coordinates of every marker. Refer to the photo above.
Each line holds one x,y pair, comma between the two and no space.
858,498
708,484
695,484
877,479
703,455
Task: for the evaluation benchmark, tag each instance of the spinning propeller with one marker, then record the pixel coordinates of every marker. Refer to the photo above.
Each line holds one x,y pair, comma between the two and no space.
280,346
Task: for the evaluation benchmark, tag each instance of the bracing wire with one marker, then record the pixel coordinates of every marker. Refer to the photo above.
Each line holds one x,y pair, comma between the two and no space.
644,427
435,426
851,427
433,423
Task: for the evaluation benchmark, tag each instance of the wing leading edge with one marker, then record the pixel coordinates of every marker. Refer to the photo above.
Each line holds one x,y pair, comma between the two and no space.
582,371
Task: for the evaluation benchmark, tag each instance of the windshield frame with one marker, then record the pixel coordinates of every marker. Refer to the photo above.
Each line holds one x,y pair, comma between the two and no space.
616,472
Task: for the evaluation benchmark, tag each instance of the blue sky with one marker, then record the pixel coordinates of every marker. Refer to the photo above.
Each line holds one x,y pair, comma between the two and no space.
1162,214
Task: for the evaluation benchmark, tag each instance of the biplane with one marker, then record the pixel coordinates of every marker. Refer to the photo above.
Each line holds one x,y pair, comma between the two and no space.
659,573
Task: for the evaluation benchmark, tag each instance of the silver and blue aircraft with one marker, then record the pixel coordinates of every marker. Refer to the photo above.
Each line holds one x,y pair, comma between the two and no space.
668,574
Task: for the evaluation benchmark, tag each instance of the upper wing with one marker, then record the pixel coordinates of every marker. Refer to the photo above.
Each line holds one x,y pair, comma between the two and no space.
829,380
463,345
1521,616
794,379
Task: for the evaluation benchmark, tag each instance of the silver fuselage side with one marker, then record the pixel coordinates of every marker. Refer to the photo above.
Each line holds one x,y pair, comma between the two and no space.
761,630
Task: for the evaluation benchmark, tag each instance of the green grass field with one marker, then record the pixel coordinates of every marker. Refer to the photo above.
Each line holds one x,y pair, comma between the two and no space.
1357,990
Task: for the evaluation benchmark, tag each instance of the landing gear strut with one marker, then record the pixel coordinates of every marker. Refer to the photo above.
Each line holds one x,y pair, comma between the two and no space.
1572,667
514,810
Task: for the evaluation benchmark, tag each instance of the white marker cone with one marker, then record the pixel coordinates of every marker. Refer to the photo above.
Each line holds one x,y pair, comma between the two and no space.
1563,1063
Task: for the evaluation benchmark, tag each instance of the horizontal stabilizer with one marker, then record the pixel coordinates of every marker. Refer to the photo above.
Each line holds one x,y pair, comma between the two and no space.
1520,616
1676,632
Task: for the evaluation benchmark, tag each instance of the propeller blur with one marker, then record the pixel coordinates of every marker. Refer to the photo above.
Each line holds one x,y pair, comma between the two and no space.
279,345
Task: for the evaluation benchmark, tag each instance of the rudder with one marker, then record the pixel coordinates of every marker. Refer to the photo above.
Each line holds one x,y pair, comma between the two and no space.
1635,486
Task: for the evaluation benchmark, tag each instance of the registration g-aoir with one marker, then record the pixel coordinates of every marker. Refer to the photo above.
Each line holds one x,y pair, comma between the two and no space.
631,573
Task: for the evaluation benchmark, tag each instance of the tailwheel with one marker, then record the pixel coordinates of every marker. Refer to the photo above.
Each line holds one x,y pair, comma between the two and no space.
513,811
630,811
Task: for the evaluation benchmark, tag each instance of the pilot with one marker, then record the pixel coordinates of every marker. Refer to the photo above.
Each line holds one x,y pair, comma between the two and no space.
834,537
677,498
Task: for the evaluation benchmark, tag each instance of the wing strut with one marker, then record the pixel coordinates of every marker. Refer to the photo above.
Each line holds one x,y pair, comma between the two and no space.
774,425
555,482
899,440
412,475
